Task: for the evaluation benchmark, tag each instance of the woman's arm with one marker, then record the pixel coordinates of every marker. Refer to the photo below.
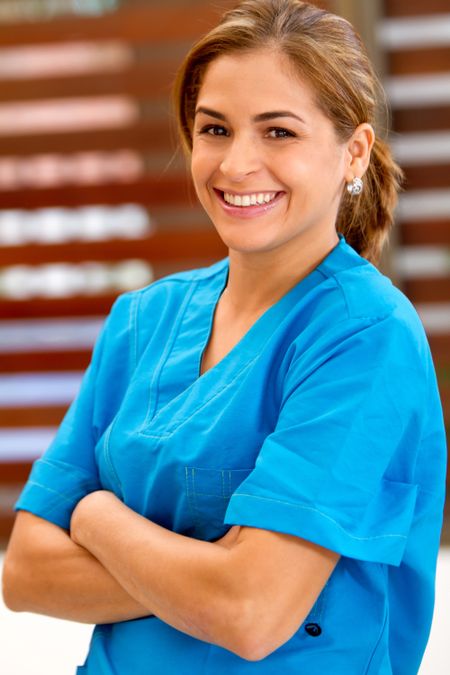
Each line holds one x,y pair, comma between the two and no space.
47,573
249,592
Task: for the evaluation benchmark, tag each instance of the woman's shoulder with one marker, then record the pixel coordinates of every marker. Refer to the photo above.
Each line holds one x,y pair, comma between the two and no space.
177,284
356,295
167,289
367,293
137,314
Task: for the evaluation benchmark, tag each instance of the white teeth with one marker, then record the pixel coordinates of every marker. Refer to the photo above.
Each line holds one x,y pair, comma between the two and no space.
249,200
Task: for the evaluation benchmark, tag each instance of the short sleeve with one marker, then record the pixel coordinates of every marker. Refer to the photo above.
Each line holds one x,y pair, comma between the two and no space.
338,468
67,471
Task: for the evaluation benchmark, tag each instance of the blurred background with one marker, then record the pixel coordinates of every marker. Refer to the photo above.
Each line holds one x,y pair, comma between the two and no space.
95,200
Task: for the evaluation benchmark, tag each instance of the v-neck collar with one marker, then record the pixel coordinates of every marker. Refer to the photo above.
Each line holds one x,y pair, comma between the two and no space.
340,257
181,369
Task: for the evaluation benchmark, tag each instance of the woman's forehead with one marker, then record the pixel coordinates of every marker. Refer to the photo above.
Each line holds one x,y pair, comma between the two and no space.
259,80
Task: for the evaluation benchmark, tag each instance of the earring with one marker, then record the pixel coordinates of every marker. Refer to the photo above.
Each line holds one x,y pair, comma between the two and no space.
355,187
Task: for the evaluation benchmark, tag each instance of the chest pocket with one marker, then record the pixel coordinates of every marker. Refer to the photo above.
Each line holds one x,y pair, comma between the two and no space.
208,493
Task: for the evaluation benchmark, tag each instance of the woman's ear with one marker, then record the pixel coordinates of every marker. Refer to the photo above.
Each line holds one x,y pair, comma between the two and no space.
359,148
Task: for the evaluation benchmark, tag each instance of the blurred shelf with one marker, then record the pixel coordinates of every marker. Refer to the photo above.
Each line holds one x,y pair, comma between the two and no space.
159,190
158,247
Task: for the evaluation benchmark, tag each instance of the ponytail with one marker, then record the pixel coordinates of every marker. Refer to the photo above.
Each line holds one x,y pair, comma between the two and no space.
366,220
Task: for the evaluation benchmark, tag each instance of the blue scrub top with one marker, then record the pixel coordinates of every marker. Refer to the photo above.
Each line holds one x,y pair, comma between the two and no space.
323,422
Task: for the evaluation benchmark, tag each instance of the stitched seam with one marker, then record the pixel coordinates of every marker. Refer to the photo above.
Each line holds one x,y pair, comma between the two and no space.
354,315
209,494
340,288
132,349
324,515
154,384
226,480
377,644
107,456
63,497
62,465
168,434
190,492
134,326
223,484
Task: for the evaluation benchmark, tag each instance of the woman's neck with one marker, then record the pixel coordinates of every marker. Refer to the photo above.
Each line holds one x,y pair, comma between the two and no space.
256,281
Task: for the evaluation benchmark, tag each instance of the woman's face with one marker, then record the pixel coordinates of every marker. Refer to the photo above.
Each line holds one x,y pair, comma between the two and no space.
266,163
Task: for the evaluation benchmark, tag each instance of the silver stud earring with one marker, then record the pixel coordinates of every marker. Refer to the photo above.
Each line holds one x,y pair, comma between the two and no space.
355,187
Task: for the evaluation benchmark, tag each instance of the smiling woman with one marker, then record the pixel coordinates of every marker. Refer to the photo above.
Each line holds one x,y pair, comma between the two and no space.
254,467
288,162
323,53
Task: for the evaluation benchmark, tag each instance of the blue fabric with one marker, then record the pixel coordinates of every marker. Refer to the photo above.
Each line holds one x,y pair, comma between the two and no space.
323,422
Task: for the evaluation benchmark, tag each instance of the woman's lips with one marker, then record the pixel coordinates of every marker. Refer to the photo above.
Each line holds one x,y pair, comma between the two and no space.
251,210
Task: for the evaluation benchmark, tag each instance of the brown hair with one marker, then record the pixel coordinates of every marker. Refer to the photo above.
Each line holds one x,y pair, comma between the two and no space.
326,51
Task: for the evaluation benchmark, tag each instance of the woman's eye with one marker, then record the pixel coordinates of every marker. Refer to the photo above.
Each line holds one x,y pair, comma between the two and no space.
279,132
213,130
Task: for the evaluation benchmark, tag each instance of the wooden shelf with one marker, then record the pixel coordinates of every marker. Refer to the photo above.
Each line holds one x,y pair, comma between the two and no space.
440,346
425,61
160,247
139,24
398,8
15,472
156,135
32,361
152,191
48,416
427,176
142,80
425,233
98,305
427,289
426,118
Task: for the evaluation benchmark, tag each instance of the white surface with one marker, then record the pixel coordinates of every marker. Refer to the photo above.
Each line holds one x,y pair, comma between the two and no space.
48,334
435,317
38,645
25,444
421,31
421,148
436,660
35,645
75,114
417,205
422,261
422,90
39,389
74,58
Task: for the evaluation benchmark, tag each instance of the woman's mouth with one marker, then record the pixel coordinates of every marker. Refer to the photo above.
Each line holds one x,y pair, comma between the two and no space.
249,204
249,199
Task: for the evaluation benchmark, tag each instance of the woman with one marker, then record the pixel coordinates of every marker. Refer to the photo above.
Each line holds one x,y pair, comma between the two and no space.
251,478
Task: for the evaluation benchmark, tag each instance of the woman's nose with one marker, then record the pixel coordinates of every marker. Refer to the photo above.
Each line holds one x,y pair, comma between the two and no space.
241,158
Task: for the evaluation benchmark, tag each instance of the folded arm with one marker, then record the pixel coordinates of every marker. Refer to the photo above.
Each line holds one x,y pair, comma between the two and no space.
47,573
248,592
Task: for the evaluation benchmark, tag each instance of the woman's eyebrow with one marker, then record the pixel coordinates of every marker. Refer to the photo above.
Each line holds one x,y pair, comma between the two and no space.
266,116
261,117
211,113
